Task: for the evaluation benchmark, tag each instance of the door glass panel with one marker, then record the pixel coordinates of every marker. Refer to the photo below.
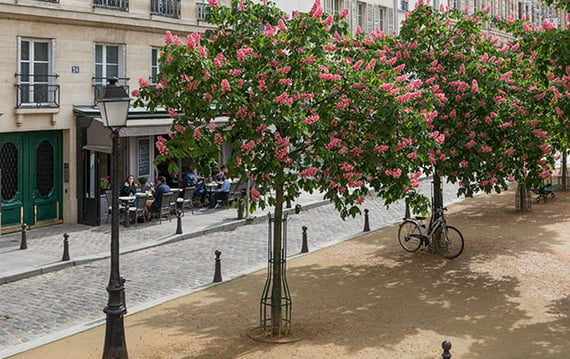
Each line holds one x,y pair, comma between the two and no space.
9,167
44,169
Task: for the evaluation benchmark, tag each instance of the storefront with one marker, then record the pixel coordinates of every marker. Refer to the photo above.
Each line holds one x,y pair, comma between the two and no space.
136,156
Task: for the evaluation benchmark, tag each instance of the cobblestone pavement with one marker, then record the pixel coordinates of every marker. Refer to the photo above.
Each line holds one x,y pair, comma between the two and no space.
43,308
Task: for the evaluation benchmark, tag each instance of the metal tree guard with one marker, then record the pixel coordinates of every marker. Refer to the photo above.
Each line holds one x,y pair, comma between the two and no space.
266,324
523,198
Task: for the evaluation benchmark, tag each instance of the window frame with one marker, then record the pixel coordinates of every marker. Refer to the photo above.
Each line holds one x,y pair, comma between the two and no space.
102,80
51,89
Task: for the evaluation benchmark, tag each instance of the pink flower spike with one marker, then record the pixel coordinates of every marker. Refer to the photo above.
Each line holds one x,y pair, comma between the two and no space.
344,13
328,21
213,3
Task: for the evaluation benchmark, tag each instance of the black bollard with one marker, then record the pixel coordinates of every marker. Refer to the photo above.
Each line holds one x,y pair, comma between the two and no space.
446,345
218,271
65,247
305,247
24,243
179,221
366,223
407,215
288,203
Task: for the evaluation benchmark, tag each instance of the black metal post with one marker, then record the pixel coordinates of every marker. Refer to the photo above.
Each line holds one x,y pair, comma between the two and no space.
115,343
407,215
446,345
24,243
366,222
178,220
305,246
218,269
65,247
288,203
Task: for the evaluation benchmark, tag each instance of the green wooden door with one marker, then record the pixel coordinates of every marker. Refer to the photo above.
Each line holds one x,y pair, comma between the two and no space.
31,178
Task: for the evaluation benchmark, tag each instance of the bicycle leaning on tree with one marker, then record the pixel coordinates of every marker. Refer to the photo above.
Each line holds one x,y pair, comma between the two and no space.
447,240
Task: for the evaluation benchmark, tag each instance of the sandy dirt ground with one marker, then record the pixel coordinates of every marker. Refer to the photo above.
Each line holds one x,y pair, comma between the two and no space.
507,296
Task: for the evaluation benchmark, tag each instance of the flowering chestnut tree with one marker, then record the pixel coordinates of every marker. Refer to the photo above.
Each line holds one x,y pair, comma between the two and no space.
549,48
299,113
486,125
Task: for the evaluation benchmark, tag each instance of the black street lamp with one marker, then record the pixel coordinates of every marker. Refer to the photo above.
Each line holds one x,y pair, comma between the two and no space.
114,107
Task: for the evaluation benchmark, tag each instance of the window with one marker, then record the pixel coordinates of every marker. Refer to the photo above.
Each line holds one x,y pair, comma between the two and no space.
201,10
112,4
338,6
362,16
154,66
381,17
36,76
109,63
167,8
474,5
404,5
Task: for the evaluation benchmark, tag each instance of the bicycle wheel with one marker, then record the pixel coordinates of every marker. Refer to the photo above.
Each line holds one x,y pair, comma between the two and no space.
449,242
409,236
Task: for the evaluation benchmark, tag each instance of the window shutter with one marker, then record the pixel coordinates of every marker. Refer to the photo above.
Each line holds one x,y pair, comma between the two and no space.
329,6
390,21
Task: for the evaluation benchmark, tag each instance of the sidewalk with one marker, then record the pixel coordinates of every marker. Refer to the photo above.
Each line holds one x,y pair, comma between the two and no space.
506,297
87,243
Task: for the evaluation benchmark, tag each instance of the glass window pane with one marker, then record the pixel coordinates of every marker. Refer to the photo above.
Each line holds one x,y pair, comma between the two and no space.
98,72
41,70
98,54
112,71
25,50
112,54
41,51
25,70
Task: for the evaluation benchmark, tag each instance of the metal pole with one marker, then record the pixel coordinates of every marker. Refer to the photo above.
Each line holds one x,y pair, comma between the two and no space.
65,247
115,343
446,345
366,222
305,246
218,267
23,242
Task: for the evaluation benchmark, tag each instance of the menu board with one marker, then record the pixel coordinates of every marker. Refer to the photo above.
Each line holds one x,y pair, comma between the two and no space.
144,157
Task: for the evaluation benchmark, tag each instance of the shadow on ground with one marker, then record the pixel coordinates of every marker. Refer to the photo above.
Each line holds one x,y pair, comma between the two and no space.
507,296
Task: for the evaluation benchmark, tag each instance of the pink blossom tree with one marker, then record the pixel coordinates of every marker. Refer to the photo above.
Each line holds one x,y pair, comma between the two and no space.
487,129
300,114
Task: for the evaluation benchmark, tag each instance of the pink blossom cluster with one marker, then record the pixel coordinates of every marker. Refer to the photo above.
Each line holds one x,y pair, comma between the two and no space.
309,172
309,120
247,147
329,77
161,146
242,54
197,134
193,40
396,173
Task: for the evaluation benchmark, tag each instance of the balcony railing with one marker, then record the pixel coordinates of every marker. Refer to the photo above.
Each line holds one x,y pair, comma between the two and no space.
100,82
112,4
201,11
167,8
36,91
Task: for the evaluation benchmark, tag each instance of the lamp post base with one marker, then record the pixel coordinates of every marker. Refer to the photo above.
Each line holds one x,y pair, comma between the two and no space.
115,343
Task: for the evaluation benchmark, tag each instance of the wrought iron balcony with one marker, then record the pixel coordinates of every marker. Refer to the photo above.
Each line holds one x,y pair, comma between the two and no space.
112,4
100,82
37,91
167,8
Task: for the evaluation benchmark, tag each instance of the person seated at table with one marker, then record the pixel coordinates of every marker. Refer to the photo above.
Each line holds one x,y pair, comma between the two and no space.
219,177
221,194
161,188
129,187
191,178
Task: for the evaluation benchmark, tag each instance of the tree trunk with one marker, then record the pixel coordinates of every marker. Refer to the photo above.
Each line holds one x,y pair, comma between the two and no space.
437,201
276,292
564,168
